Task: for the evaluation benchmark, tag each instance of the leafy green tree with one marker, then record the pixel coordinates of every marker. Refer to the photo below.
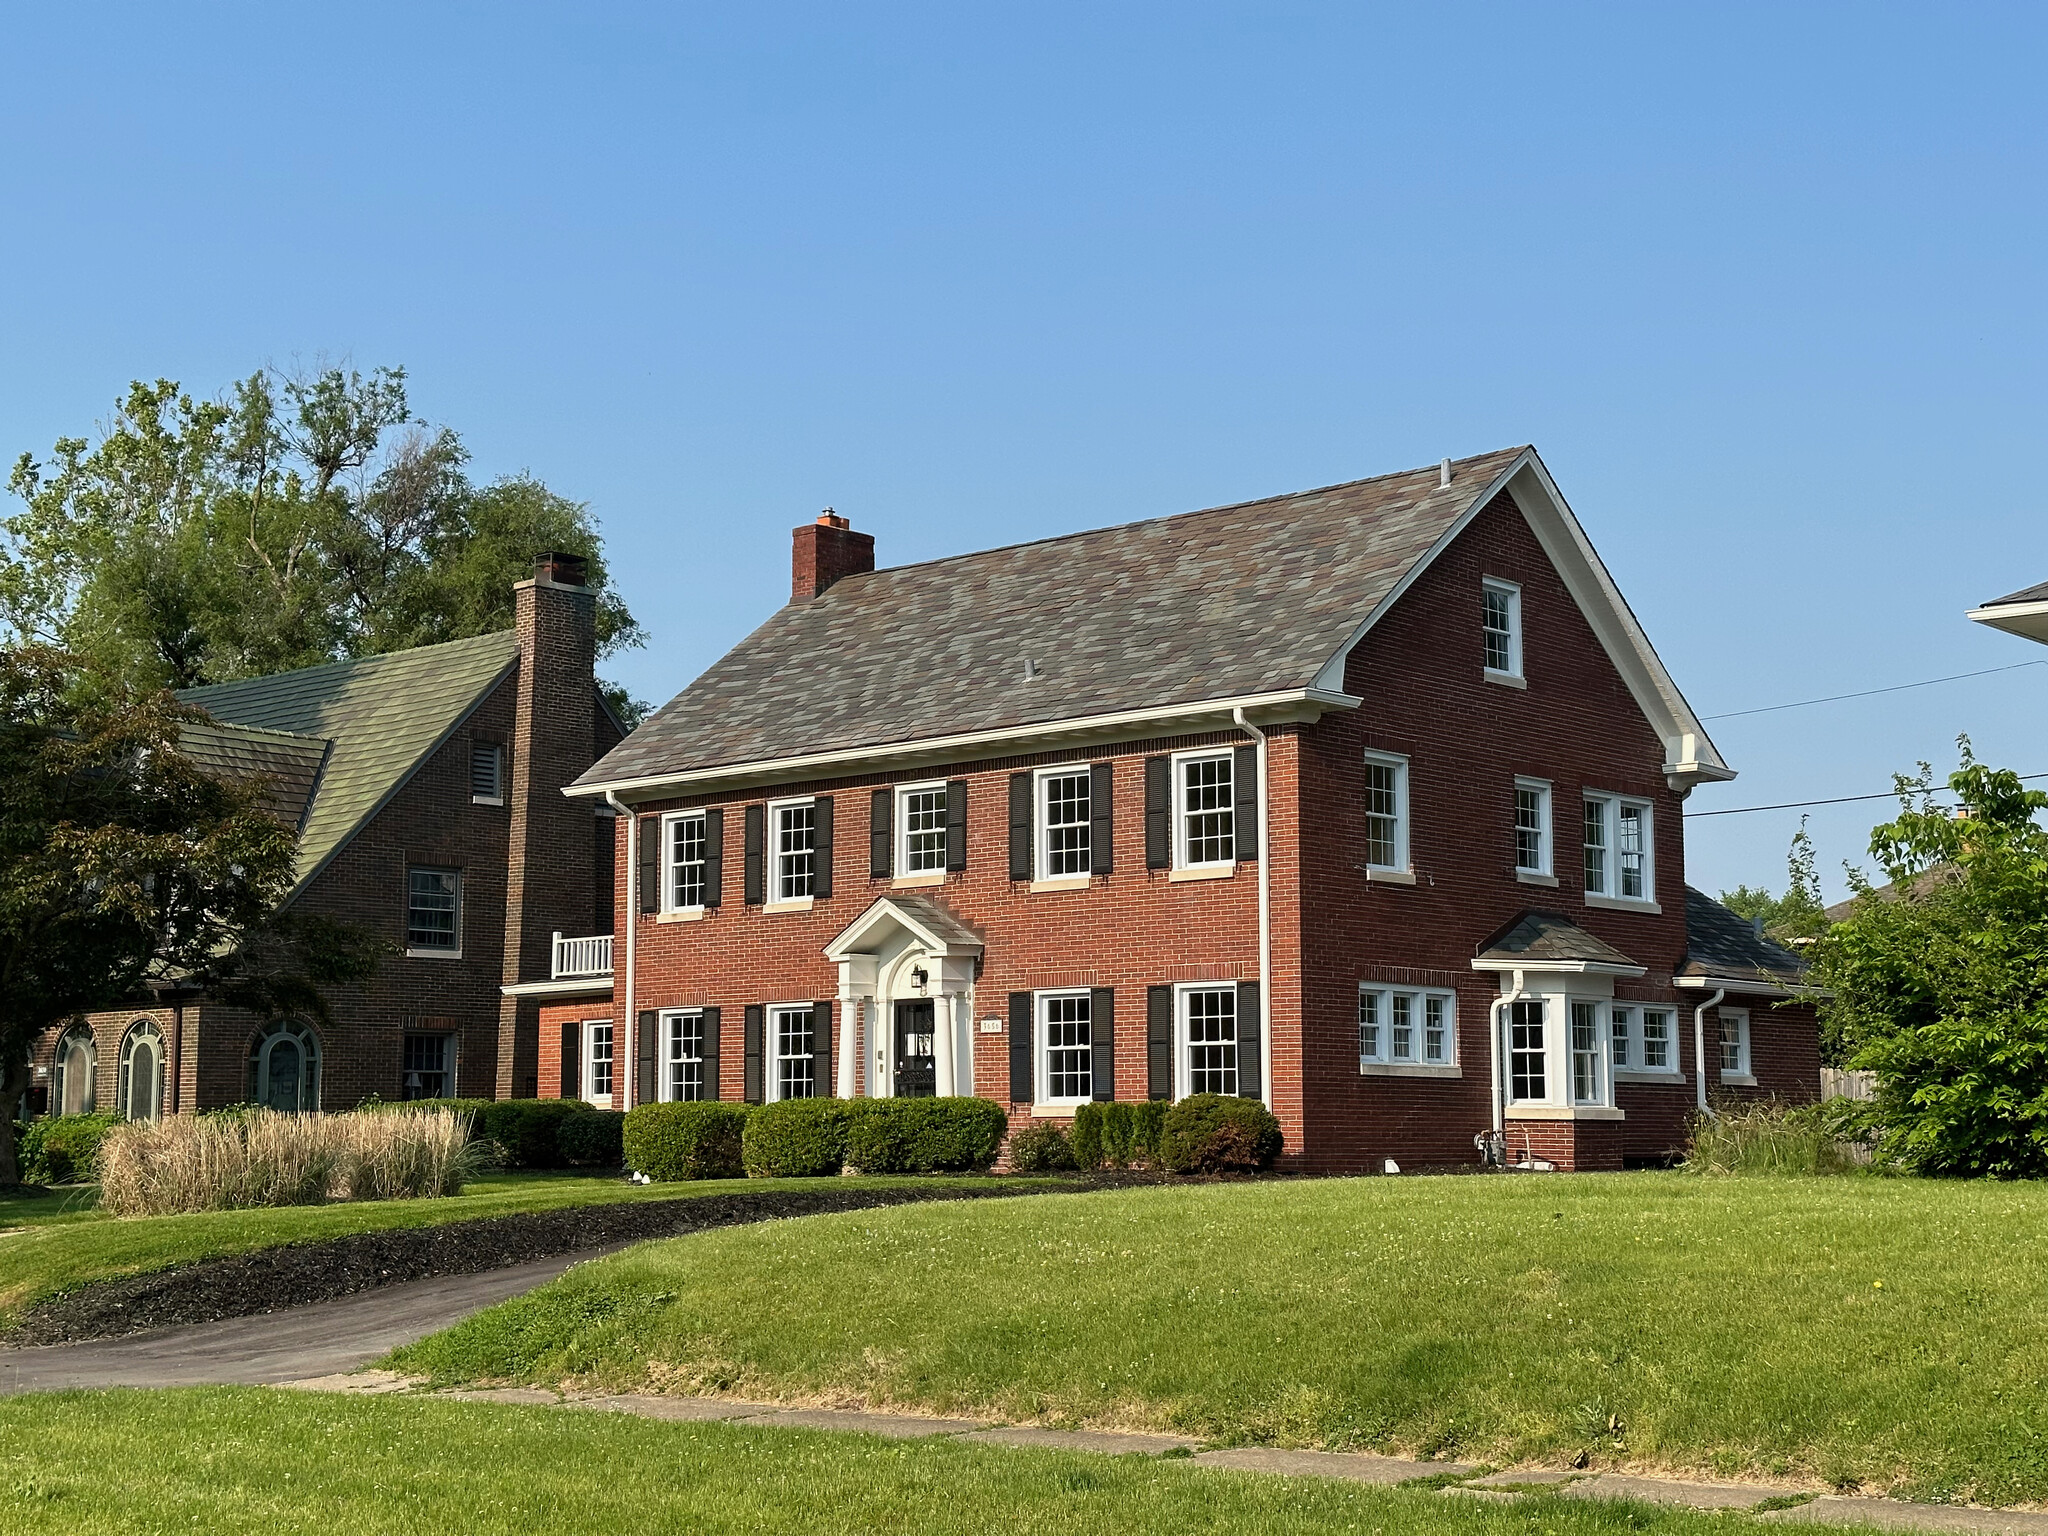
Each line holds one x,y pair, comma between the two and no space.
123,865
300,519
1797,915
1940,982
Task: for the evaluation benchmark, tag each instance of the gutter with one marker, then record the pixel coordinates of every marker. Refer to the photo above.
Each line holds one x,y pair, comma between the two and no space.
1265,914
1699,1046
1500,1078
630,1017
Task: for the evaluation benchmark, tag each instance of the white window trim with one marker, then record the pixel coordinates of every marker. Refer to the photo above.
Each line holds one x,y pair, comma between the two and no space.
1505,1045
1746,1077
1180,808
1042,1050
1603,1055
771,1051
773,855
668,860
1041,829
1183,1047
1404,863
1558,1101
1513,592
1385,1064
1635,1071
497,747
587,1074
670,1030
901,834
1610,813
1546,872
430,952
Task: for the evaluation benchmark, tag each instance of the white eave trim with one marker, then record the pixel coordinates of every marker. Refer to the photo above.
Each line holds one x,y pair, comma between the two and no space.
571,986
2027,620
1561,967
1287,705
1748,986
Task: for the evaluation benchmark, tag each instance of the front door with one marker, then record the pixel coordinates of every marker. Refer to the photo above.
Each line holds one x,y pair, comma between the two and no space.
917,1069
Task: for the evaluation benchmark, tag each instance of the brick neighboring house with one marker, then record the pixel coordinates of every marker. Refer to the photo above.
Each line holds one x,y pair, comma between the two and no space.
426,786
1364,801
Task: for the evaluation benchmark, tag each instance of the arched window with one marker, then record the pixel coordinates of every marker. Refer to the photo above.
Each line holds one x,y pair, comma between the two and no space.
74,1076
284,1067
141,1092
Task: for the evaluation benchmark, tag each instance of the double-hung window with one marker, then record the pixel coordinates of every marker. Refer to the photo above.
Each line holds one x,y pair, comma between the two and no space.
1500,615
429,1066
1205,796
1528,1052
597,1061
1401,1028
921,829
795,832
1386,812
793,1039
1618,848
433,912
1734,1042
1067,1058
686,863
682,1036
1209,1034
1532,827
1065,821
1588,1063
1642,1038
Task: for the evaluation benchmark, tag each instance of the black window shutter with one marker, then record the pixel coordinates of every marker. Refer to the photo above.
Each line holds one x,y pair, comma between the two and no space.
1102,1043
714,858
821,1049
711,1053
1159,1042
1158,813
1244,780
650,1026
1251,1057
956,824
821,859
650,863
1021,790
1023,1083
1101,818
881,833
756,1017
757,838
572,1059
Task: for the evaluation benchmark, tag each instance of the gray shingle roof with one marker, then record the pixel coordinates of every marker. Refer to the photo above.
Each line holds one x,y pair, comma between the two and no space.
1720,943
2033,594
1230,602
382,715
1549,936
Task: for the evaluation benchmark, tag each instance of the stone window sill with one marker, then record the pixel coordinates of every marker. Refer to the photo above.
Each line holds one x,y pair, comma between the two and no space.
1389,876
1621,903
1667,1076
1564,1112
1505,679
1203,872
1053,1111
456,954
486,799
1738,1080
918,882
797,904
1063,883
1406,1069
1530,877
683,915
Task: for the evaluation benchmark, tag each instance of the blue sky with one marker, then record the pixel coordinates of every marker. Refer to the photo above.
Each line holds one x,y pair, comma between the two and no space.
1763,283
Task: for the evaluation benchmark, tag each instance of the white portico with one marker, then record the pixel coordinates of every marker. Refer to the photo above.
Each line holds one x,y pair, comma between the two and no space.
906,996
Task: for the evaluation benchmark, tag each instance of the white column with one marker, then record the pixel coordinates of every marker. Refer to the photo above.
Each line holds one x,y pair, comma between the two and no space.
942,1043
849,1044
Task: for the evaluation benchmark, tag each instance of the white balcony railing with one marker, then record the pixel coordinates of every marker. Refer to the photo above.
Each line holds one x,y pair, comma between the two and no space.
583,957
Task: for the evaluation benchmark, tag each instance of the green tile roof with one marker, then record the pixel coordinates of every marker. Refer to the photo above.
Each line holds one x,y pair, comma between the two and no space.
289,762
376,720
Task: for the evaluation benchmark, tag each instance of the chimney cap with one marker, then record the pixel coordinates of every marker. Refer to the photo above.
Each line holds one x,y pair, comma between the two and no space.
564,570
830,519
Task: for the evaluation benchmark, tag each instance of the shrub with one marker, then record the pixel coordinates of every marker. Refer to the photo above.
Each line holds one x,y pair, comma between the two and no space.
592,1138
796,1138
1119,1135
527,1131
1043,1148
258,1157
686,1141
1210,1133
62,1149
1774,1138
945,1135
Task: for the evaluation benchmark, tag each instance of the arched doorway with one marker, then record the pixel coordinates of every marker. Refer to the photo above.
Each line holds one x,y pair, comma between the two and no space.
141,1092
74,1075
284,1067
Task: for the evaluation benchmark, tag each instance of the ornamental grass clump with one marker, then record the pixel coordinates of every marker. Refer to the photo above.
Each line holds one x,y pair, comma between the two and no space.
260,1157
1776,1138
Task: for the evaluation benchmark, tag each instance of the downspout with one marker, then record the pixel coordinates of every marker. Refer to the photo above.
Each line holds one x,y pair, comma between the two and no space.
629,1017
1500,1079
1699,1046
1265,912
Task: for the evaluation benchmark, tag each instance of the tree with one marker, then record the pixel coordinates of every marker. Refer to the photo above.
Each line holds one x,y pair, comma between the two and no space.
1940,982
123,865
301,519
1797,915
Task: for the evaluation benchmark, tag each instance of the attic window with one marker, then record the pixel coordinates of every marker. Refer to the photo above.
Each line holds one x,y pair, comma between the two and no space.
1501,625
486,773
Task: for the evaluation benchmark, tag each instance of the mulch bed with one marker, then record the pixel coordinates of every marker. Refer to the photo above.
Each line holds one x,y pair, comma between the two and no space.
272,1279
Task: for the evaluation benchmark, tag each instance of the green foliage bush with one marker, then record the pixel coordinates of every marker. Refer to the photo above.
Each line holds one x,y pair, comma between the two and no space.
592,1138
796,1138
668,1142
1771,1137
527,1131
1042,1148
943,1135
1119,1135
62,1149
1210,1133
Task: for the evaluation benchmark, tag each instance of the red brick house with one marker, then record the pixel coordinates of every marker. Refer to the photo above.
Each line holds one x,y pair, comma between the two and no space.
426,788
1365,801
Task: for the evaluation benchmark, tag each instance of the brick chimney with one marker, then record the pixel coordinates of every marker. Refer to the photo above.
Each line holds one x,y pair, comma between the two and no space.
824,551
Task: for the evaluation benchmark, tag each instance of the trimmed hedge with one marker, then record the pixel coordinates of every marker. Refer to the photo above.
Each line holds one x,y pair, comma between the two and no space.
668,1142
62,1149
797,1138
1209,1133
946,1135
592,1138
1042,1148
1119,1135
527,1130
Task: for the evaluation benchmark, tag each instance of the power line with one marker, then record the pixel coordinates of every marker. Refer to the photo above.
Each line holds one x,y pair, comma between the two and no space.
1800,805
1836,698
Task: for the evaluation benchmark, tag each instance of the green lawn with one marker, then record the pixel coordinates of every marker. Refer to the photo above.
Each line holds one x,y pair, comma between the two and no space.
226,1460
1854,1331
60,1242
